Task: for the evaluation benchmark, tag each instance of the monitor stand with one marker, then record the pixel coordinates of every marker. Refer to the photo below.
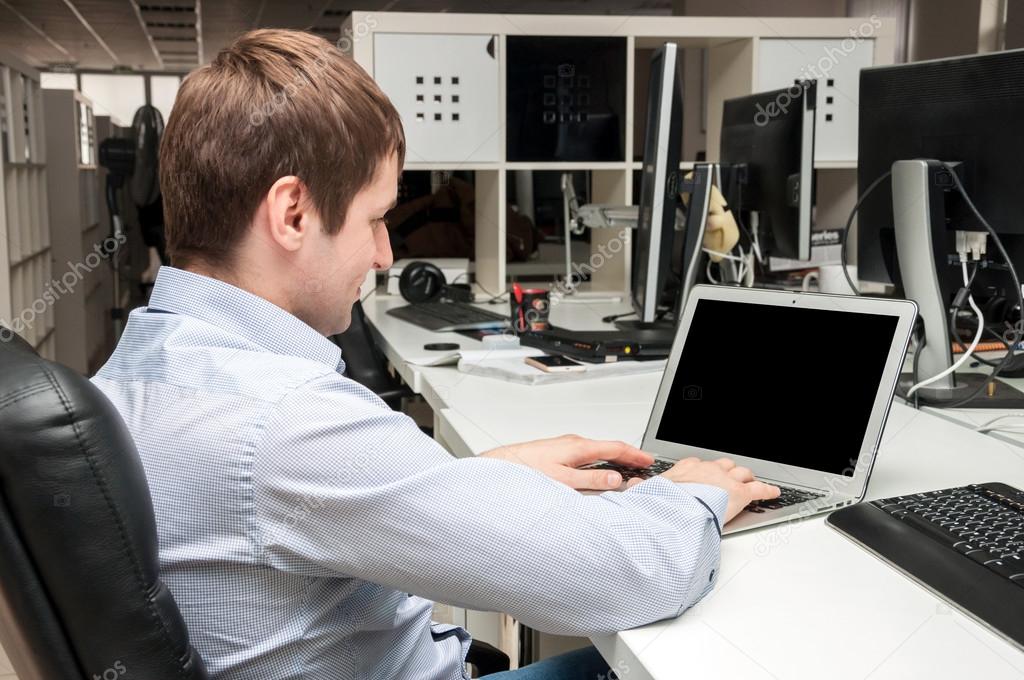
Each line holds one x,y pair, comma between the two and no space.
1003,396
919,218
699,189
1014,368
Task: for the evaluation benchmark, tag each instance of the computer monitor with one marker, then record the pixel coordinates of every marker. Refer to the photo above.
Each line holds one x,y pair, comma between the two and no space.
767,157
966,110
962,116
659,183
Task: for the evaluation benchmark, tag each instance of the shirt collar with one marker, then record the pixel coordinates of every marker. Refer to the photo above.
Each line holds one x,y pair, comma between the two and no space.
240,312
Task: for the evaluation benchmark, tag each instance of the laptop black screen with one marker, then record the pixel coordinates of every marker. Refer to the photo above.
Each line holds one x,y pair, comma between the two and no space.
782,384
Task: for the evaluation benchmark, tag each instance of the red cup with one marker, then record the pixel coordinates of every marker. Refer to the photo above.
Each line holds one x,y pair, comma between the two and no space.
531,308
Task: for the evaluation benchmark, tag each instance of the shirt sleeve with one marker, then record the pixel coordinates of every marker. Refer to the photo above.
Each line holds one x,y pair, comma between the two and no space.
345,486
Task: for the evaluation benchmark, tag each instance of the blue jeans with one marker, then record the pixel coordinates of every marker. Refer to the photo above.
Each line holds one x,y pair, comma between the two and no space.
580,664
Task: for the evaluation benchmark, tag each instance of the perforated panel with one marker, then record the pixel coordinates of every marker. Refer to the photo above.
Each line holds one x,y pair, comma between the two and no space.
446,89
836,65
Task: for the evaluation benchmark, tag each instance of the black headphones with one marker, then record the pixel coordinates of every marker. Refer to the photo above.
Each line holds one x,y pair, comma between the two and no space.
424,282
421,282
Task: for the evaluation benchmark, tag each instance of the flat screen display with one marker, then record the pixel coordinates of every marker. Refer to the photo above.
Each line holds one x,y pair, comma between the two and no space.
784,384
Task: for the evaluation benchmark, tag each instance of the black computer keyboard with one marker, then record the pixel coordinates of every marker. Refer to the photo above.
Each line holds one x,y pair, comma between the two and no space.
789,495
449,316
966,543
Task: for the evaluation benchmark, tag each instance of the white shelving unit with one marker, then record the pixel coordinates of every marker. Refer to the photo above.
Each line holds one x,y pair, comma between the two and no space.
25,255
75,229
794,48
733,68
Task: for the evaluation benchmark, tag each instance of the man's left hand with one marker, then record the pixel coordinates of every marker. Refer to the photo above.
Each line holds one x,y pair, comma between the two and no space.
561,457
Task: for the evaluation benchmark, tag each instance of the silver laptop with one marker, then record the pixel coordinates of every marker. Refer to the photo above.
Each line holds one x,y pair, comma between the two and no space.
795,386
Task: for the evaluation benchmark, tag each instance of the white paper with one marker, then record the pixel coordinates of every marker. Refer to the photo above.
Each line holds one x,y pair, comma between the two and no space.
502,366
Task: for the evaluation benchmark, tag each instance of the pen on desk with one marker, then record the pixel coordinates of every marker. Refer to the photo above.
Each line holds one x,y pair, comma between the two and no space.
517,292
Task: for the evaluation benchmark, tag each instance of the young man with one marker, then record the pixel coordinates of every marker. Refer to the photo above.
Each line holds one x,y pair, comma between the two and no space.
301,521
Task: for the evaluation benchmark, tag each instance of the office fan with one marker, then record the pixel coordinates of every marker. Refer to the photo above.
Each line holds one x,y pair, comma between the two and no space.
147,129
135,159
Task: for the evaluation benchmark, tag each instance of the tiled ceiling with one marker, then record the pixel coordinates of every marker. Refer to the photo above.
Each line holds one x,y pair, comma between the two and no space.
178,35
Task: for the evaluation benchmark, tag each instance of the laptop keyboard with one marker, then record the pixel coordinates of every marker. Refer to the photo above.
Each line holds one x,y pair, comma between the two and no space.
628,473
789,495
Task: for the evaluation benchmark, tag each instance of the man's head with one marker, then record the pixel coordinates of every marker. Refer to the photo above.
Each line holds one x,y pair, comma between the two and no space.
277,166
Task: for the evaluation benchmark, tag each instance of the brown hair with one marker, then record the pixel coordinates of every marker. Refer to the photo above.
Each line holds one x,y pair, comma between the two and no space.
275,103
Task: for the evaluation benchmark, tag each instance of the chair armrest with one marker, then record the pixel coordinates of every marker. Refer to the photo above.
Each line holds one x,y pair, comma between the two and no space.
487,658
393,397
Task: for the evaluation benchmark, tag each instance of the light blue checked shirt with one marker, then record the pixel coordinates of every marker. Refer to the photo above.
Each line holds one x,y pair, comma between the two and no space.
302,522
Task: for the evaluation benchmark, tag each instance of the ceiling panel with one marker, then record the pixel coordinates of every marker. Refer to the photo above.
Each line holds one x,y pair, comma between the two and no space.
173,25
58,22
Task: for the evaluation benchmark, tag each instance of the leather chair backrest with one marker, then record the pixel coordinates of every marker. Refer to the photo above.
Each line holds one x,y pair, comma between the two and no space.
80,593
364,362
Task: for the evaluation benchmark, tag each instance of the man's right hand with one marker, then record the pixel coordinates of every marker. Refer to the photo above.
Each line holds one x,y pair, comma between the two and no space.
737,481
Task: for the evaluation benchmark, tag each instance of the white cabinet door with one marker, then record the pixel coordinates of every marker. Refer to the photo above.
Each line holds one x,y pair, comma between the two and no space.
446,89
836,65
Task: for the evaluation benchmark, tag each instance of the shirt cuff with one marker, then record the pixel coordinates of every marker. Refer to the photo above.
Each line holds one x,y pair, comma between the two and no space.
715,501
442,631
714,498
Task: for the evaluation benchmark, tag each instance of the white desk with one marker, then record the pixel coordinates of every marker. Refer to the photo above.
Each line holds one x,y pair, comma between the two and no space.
823,599
792,601
975,417
403,342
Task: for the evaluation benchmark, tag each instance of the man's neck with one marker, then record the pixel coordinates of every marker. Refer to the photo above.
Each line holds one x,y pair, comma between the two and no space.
251,284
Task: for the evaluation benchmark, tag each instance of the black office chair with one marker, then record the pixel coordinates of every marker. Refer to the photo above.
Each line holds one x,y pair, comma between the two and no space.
366,364
80,593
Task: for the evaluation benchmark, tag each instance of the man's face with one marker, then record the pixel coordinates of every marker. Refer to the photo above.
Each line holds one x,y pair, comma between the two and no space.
338,264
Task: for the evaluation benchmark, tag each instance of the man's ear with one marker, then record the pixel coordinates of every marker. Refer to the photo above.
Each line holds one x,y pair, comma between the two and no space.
287,211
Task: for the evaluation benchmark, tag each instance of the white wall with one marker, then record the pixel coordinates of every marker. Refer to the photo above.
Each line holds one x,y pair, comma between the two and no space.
761,8
116,95
58,81
1014,24
162,91
942,28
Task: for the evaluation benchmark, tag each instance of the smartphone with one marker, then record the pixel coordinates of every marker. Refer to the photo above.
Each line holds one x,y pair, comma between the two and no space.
555,364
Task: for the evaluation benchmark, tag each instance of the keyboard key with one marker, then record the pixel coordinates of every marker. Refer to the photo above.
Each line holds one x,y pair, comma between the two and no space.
789,495
1014,572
